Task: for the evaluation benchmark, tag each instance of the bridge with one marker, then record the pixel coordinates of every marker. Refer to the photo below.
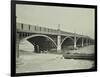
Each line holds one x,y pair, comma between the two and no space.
46,39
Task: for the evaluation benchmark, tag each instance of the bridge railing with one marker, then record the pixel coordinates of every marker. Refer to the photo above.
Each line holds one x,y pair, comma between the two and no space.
34,28
38,29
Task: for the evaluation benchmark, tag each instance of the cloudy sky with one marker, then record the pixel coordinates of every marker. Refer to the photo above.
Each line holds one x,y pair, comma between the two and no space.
78,20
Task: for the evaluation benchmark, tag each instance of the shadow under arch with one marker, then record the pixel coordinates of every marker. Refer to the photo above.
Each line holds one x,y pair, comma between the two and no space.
68,37
67,43
41,43
36,35
83,40
79,41
79,38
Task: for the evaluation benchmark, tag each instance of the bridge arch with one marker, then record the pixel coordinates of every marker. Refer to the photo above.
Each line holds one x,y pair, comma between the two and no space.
40,35
41,42
67,43
79,41
79,38
68,37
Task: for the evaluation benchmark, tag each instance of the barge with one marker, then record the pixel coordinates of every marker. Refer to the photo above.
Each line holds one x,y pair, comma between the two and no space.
78,56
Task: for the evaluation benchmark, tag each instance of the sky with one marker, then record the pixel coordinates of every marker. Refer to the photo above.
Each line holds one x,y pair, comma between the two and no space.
70,19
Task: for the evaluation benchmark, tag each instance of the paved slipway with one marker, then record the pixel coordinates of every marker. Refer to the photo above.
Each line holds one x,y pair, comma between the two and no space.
33,62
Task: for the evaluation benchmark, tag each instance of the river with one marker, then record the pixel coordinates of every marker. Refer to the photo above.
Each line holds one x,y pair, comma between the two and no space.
33,62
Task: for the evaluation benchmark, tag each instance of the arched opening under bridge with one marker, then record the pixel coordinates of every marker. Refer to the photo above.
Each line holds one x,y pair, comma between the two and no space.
41,43
79,42
67,43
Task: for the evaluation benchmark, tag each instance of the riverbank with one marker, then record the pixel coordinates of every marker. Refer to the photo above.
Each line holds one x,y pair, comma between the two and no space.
50,62
39,62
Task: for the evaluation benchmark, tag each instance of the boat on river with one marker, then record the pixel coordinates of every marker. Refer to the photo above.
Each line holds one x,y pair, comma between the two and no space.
78,56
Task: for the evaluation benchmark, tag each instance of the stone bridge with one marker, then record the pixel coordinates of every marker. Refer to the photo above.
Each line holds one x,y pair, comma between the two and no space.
48,39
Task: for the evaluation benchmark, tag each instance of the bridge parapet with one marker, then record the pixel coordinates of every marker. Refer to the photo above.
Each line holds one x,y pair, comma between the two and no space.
35,29
43,30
